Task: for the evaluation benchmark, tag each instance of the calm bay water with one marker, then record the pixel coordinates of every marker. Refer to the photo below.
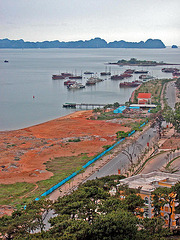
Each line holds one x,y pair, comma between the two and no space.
29,73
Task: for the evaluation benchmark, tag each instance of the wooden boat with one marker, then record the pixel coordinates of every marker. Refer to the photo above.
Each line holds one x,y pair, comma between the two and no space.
69,82
130,84
87,72
76,86
141,72
105,73
56,77
75,77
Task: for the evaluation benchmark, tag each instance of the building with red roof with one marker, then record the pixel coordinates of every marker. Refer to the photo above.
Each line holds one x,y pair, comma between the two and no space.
144,98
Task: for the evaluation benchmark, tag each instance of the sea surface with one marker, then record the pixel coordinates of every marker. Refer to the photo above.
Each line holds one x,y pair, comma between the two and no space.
29,73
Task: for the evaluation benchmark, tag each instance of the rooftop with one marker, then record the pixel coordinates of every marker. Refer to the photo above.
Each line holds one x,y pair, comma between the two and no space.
149,182
144,95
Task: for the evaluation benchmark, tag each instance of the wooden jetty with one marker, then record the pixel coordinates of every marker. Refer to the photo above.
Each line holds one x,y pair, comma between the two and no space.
84,105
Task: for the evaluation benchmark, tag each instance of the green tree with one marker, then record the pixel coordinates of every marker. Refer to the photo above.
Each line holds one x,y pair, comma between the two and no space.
162,196
116,225
152,229
134,203
121,134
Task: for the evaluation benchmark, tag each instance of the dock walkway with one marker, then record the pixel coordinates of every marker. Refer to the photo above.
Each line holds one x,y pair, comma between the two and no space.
84,105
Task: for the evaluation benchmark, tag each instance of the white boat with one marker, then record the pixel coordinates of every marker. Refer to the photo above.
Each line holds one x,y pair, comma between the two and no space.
146,77
93,80
76,86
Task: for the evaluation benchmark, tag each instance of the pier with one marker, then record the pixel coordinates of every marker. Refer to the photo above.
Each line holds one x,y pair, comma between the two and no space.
84,105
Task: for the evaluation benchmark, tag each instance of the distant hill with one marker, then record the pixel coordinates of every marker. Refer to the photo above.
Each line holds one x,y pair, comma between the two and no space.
93,43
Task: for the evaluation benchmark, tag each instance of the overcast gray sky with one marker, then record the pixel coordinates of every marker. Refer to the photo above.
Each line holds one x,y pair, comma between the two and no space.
66,20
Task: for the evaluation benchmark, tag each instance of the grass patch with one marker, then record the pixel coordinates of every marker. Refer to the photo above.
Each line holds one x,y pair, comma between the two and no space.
74,140
154,87
61,167
144,163
10,193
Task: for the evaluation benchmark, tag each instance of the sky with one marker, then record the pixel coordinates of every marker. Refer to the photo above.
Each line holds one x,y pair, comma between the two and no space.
72,20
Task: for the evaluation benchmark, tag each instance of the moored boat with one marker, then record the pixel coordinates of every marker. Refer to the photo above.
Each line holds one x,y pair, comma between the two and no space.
130,71
130,84
176,74
145,77
66,74
76,86
75,77
69,82
116,77
169,70
56,77
126,75
88,72
122,76
141,72
93,81
105,73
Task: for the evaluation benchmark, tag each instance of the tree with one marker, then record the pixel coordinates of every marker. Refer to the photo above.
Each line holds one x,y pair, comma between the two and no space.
177,191
132,150
134,203
173,116
121,134
116,105
176,118
82,204
162,196
152,229
115,225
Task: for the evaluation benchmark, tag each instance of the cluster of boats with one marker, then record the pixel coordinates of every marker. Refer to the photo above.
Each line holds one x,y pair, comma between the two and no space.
65,75
127,74
71,76
175,71
72,84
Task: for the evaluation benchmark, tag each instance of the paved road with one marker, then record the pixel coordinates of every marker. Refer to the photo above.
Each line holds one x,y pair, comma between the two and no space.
159,161
171,94
121,161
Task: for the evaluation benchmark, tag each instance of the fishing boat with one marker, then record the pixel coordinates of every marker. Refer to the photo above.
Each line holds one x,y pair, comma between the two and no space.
126,75
75,77
56,77
66,74
69,82
176,74
105,73
122,76
141,72
169,70
145,77
76,86
87,72
90,82
130,71
130,84
93,81
116,77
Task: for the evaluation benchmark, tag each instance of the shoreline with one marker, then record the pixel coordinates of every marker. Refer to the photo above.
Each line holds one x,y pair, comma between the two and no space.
25,152
37,124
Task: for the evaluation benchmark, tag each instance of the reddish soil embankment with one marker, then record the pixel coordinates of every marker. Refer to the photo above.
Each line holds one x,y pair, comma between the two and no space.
24,152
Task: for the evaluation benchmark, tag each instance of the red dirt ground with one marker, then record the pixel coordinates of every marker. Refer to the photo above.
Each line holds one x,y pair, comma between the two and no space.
24,152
